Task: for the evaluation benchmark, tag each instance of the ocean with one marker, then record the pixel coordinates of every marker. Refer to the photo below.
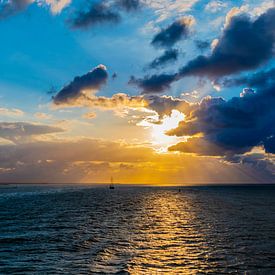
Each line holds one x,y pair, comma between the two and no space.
137,230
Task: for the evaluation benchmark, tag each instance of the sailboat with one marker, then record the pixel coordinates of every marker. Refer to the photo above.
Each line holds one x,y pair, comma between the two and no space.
111,186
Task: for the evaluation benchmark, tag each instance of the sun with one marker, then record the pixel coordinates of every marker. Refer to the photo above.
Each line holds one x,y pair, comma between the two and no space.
159,139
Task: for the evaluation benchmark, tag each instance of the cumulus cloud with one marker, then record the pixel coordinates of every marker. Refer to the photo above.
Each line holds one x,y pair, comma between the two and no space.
162,105
91,81
230,127
173,33
245,44
234,12
167,57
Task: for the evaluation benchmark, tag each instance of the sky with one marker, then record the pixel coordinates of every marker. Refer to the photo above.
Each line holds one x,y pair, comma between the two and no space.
145,91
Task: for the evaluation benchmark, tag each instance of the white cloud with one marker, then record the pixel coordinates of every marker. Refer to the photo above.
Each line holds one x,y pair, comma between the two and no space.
215,6
165,9
11,112
42,115
56,6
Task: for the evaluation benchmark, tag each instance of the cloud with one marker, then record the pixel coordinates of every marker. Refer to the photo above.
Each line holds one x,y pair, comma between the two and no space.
129,5
155,83
18,131
89,115
96,14
269,144
119,100
164,105
103,12
91,81
257,160
244,45
11,112
58,5
67,160
199,146
92,160
11,7
173,33
202,44
215,6
258,79
167,57
234,12
165,9
43,116
231,127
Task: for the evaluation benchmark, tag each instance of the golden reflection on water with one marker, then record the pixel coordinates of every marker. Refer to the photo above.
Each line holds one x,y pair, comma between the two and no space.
168,238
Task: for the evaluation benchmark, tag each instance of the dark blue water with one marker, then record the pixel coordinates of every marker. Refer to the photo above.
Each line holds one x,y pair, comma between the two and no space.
130,230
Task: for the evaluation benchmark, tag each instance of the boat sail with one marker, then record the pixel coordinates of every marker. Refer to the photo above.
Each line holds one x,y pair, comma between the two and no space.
111,186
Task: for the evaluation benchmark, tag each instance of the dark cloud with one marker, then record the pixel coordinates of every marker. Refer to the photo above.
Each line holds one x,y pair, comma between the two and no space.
18,131
260,162
255,80
129,5
270,144
199,146
93,80
173,33
9,8
232,127
244,45
103,12
167,57
202,44
97,14
164,105
155,83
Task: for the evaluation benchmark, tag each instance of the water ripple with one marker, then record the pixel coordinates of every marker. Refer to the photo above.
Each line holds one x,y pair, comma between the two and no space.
80,230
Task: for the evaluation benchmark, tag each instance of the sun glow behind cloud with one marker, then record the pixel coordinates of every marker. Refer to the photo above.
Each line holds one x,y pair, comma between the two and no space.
158,128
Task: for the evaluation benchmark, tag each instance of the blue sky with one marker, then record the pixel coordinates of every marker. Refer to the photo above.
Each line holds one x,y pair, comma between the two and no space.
45,52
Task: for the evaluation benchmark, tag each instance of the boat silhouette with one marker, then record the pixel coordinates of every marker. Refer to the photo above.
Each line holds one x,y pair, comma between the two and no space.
111,186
